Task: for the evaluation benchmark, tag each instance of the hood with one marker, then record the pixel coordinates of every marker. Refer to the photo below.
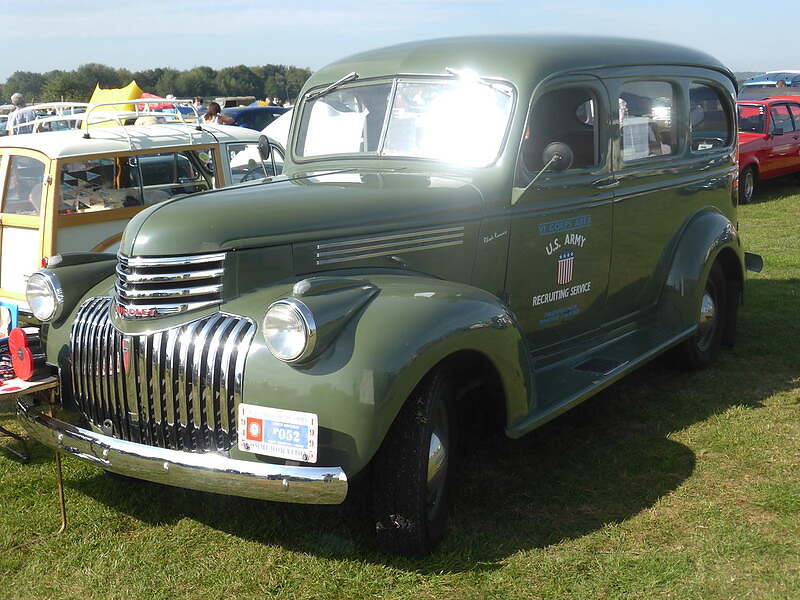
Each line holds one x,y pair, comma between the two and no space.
311,207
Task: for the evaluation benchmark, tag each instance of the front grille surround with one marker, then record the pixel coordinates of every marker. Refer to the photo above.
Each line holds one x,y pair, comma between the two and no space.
178,388
150,287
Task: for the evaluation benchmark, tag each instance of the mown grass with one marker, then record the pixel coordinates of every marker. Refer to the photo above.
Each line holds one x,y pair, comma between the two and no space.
667,485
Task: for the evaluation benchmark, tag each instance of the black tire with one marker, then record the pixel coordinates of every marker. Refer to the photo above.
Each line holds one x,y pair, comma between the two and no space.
411,512
704,347
748,182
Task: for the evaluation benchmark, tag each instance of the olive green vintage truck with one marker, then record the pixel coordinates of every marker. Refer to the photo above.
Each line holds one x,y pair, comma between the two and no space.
500,226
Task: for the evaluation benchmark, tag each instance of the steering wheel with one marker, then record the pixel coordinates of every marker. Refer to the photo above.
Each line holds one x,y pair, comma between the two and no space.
255,173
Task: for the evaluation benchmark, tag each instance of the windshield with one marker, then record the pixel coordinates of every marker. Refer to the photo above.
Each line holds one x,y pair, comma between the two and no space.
751,118
456,121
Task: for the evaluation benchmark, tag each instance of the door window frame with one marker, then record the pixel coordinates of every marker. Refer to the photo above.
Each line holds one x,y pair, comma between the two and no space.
603,132
41,222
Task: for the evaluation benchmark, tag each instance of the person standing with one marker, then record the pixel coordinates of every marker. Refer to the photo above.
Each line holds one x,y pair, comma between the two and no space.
19,116
214,115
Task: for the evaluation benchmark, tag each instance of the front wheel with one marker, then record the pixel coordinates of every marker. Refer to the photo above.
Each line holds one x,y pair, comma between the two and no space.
412,471
703,348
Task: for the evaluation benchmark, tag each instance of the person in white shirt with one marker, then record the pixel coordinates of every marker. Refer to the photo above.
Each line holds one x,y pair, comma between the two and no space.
19,116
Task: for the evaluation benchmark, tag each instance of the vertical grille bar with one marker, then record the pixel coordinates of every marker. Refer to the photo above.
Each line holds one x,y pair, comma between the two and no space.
120,422
169,387
157,391
211,384
200,417
177,388
225,376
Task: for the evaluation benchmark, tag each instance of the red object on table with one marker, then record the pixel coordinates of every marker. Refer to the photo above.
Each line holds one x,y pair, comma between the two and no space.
22,358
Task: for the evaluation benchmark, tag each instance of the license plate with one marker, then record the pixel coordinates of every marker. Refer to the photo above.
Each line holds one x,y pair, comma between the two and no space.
276,432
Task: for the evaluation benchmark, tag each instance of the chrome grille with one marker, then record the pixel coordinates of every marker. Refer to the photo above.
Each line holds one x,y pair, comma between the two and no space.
177,388
151,287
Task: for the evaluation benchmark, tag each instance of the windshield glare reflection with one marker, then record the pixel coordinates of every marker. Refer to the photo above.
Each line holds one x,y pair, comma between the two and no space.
460,121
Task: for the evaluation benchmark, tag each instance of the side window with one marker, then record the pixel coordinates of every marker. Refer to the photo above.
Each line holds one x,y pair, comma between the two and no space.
781,120
710,120
795,110
167,174
100,184
23,186
647,122
246,164
751,118
568,116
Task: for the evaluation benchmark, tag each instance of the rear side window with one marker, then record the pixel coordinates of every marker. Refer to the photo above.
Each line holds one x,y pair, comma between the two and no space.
795,110
99,184
781,120
23,189
647,120
709,117
126,181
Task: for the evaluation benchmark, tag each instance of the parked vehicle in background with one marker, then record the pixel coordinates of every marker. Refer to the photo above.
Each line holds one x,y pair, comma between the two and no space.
61,192
231,101
254,117
769,141
447,246
770,79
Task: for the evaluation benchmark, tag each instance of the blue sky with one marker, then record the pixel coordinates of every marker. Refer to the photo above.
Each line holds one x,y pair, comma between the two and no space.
62,34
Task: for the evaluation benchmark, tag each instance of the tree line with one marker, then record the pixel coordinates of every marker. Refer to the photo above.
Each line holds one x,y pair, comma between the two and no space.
271,81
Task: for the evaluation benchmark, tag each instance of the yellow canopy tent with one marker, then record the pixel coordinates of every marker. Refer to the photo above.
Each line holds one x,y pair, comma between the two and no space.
102,96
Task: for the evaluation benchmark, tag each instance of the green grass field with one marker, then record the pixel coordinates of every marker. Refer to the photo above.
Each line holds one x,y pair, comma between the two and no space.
667,485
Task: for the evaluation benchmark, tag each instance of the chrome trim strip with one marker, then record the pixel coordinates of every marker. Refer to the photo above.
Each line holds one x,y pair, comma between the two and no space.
168,293
328,261
170,261
215,473
438,238
168,277
383,238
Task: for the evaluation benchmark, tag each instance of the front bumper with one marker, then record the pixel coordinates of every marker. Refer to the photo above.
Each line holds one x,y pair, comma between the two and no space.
206,472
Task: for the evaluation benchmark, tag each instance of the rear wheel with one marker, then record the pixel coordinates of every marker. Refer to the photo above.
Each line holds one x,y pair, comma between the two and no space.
412,471
747,185
703,348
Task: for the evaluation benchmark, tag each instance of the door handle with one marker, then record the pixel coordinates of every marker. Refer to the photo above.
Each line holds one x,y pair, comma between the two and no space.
605,184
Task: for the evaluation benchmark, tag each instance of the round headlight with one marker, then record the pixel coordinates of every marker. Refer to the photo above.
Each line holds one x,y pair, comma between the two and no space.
44,296
289,330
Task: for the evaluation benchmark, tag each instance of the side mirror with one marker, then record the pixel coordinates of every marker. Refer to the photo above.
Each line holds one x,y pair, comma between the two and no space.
264,148
557,156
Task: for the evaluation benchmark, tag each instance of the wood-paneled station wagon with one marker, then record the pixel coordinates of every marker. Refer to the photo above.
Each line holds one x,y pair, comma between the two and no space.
74,191
493,226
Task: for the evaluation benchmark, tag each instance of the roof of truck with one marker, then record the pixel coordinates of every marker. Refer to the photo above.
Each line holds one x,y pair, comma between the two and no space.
517,58
103,140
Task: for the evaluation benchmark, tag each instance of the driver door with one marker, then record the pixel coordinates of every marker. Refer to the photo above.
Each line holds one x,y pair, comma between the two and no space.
560,246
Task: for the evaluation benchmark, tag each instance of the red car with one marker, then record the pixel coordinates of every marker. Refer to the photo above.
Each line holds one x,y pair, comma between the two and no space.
769,141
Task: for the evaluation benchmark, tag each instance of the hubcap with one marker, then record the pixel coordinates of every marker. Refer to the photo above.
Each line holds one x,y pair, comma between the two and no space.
437,465
748,186
707,323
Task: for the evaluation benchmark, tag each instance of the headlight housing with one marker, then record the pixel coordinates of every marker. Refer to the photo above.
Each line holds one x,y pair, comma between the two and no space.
290,330
45,296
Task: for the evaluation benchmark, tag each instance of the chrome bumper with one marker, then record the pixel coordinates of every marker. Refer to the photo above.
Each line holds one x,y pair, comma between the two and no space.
206,472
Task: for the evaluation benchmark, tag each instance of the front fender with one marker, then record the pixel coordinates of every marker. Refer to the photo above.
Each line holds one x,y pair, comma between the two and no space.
708,234
361,379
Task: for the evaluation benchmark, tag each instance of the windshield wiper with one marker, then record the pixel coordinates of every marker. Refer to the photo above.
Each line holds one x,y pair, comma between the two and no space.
470,75
349,77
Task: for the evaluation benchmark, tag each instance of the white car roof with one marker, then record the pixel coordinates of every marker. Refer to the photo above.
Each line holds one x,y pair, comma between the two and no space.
61,144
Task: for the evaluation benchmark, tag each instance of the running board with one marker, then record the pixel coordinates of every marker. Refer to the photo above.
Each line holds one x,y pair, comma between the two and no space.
566,384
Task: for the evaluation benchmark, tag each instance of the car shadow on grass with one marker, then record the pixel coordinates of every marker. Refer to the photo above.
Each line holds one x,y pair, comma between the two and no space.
604,462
